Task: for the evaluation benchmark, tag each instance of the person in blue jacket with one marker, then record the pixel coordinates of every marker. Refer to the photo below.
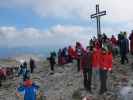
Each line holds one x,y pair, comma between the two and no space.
23,71
28,91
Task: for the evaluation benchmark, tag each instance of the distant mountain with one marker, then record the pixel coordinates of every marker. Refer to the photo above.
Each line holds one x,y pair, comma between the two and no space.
12,52
27,57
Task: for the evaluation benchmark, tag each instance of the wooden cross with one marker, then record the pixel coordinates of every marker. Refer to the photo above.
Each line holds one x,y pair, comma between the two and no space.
97,15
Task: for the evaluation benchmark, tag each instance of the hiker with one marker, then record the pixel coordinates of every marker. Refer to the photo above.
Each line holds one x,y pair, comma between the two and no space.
65,55
4,73
105,66
28,91
104,37
23,71
97,44
120,36
32,65
59,57
113,40
79,50
124,49
1,76
52,61
70,54
86,64
114,43
131,42
95,63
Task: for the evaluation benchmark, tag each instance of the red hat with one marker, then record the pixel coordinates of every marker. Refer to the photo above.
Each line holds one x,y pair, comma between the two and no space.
28,83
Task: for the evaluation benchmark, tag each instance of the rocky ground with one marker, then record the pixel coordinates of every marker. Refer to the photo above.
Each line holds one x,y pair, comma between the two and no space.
67,84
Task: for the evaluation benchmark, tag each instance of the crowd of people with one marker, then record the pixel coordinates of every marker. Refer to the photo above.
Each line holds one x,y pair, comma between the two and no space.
97,58
93,61
26,90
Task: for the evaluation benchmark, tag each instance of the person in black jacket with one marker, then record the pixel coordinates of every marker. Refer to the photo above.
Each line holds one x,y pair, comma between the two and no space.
52,61
32,65
124,49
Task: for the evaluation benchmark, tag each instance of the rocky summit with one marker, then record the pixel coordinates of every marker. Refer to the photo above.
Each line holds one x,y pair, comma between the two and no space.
67,84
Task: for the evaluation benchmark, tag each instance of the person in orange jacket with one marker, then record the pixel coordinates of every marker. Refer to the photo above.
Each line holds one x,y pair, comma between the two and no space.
96,58
70,54
96,63
105,66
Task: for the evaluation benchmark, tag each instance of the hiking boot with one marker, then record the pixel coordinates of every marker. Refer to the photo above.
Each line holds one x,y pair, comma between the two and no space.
89,90
102,91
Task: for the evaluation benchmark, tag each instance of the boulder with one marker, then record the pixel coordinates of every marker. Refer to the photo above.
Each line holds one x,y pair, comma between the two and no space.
126,93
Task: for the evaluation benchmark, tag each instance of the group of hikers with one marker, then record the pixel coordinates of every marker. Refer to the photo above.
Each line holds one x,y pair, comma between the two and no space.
97,57
93,61
26,88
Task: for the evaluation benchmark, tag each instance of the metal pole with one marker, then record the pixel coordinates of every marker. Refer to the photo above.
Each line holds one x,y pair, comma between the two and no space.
97,11
99,22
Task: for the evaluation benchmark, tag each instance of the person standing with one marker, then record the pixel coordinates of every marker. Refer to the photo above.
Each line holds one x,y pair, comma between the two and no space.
105,66
52,61
86,64
95,64
124,49
23,71
70,54
28,91
79,50
131,42
32,65
59,57
1,75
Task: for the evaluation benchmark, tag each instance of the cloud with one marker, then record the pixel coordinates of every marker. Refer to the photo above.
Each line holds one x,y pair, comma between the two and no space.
56,8
117,10
59,35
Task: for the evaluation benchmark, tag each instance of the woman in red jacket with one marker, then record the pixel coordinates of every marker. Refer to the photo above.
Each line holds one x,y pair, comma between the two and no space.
96,64
105,66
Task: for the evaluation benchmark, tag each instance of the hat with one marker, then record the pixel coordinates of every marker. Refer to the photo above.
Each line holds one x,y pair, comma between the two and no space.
28,83
22,61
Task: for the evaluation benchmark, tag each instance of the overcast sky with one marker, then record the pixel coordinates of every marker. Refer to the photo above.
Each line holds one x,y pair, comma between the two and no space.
59,22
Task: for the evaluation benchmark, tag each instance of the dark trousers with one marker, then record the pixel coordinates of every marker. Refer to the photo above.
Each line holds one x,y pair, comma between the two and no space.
78,65
0,81
103,80
70,60
87,73
32,69
123,58
52,67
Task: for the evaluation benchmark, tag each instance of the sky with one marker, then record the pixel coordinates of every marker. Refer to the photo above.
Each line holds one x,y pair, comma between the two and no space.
58,23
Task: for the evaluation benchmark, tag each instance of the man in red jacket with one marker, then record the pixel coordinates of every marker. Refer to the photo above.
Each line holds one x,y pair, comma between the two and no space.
105,66
113,40
86,64
70,54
